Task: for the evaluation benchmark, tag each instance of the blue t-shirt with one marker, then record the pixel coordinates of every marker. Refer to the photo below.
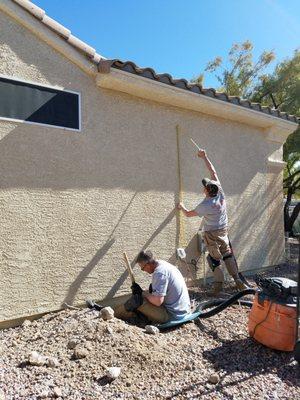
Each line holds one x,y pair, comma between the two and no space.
168,281
213,211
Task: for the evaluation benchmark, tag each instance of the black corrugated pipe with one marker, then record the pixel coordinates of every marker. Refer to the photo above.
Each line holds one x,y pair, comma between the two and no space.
220,304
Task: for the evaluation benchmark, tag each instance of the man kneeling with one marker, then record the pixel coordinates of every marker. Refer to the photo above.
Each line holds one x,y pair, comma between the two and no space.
168,296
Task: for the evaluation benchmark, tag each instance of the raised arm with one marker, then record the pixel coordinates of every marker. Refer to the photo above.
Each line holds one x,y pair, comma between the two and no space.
209,165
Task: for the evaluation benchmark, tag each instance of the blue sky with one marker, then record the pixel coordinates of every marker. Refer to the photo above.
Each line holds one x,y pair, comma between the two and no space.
176,36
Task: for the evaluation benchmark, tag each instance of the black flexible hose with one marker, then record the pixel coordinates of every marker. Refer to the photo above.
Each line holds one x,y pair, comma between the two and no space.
220,304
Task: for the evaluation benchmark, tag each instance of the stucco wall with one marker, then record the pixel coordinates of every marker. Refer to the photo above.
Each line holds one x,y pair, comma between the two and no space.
72,202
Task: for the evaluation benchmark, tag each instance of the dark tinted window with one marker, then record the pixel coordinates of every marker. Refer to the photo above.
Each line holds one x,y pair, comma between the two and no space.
38,104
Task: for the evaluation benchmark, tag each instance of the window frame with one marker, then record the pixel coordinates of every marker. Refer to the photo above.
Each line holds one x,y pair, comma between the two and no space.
58,88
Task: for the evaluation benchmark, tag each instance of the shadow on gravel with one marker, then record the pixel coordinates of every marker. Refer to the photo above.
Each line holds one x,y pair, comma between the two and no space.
104,380
246,355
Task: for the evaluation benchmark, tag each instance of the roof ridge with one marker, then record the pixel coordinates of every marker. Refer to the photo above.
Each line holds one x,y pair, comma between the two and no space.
181,83
60,29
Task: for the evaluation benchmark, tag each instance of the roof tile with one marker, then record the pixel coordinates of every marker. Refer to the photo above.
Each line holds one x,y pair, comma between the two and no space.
55,26
85,48
32,8
149,73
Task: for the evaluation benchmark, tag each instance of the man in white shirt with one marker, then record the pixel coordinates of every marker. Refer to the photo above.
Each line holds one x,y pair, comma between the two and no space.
214,213
168,296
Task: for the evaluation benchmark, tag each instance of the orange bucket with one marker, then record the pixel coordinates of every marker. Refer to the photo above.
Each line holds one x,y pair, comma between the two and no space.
273,324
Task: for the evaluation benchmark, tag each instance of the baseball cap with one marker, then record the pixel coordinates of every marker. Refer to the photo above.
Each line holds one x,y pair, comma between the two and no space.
211,186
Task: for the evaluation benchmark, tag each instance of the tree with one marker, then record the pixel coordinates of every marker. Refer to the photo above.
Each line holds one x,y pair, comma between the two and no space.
291,185
279,89
242,72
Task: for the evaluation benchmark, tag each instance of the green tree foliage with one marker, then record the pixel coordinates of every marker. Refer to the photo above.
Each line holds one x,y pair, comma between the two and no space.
280,89
291,186
239,73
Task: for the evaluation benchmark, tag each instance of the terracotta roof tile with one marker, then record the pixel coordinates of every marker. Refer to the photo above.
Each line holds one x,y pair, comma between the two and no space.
129,66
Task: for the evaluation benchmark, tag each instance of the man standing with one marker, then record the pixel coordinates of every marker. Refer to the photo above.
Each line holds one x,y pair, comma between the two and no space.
168,296
213,211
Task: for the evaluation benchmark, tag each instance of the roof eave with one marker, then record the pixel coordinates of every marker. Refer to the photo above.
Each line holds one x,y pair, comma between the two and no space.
277,129
51,32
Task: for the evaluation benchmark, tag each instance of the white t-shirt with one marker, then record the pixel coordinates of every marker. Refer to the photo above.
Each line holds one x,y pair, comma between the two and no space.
168,281
213,211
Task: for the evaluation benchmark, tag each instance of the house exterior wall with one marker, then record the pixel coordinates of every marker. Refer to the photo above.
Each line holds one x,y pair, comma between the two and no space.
72,202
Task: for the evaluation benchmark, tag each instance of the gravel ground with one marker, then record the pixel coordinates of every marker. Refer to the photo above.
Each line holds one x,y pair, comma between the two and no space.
210,359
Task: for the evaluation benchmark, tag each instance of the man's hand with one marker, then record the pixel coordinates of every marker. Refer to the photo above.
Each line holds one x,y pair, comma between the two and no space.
135,301
202,153
136,289
186,212
213,174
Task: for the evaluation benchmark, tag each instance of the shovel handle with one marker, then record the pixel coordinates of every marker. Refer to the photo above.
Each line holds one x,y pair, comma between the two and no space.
128,267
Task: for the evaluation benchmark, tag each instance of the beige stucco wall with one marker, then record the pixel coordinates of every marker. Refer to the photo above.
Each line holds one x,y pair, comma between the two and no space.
72,202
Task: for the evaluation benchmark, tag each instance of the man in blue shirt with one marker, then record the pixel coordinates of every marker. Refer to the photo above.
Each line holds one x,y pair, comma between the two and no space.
213,211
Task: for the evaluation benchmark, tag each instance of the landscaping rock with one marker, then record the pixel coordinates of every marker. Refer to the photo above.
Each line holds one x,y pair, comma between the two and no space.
153,330
80,352
109,330
37,359
57,392
72,344
213,378
52,362
107,313
113,372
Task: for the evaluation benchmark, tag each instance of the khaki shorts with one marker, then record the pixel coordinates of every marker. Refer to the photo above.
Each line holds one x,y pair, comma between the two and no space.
152,312
217,243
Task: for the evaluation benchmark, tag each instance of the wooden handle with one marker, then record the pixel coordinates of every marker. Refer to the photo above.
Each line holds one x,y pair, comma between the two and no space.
181,238
128,267
195,144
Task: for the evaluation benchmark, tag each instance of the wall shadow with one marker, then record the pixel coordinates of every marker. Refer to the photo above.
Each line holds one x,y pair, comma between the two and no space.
255,227
116,286
73,289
